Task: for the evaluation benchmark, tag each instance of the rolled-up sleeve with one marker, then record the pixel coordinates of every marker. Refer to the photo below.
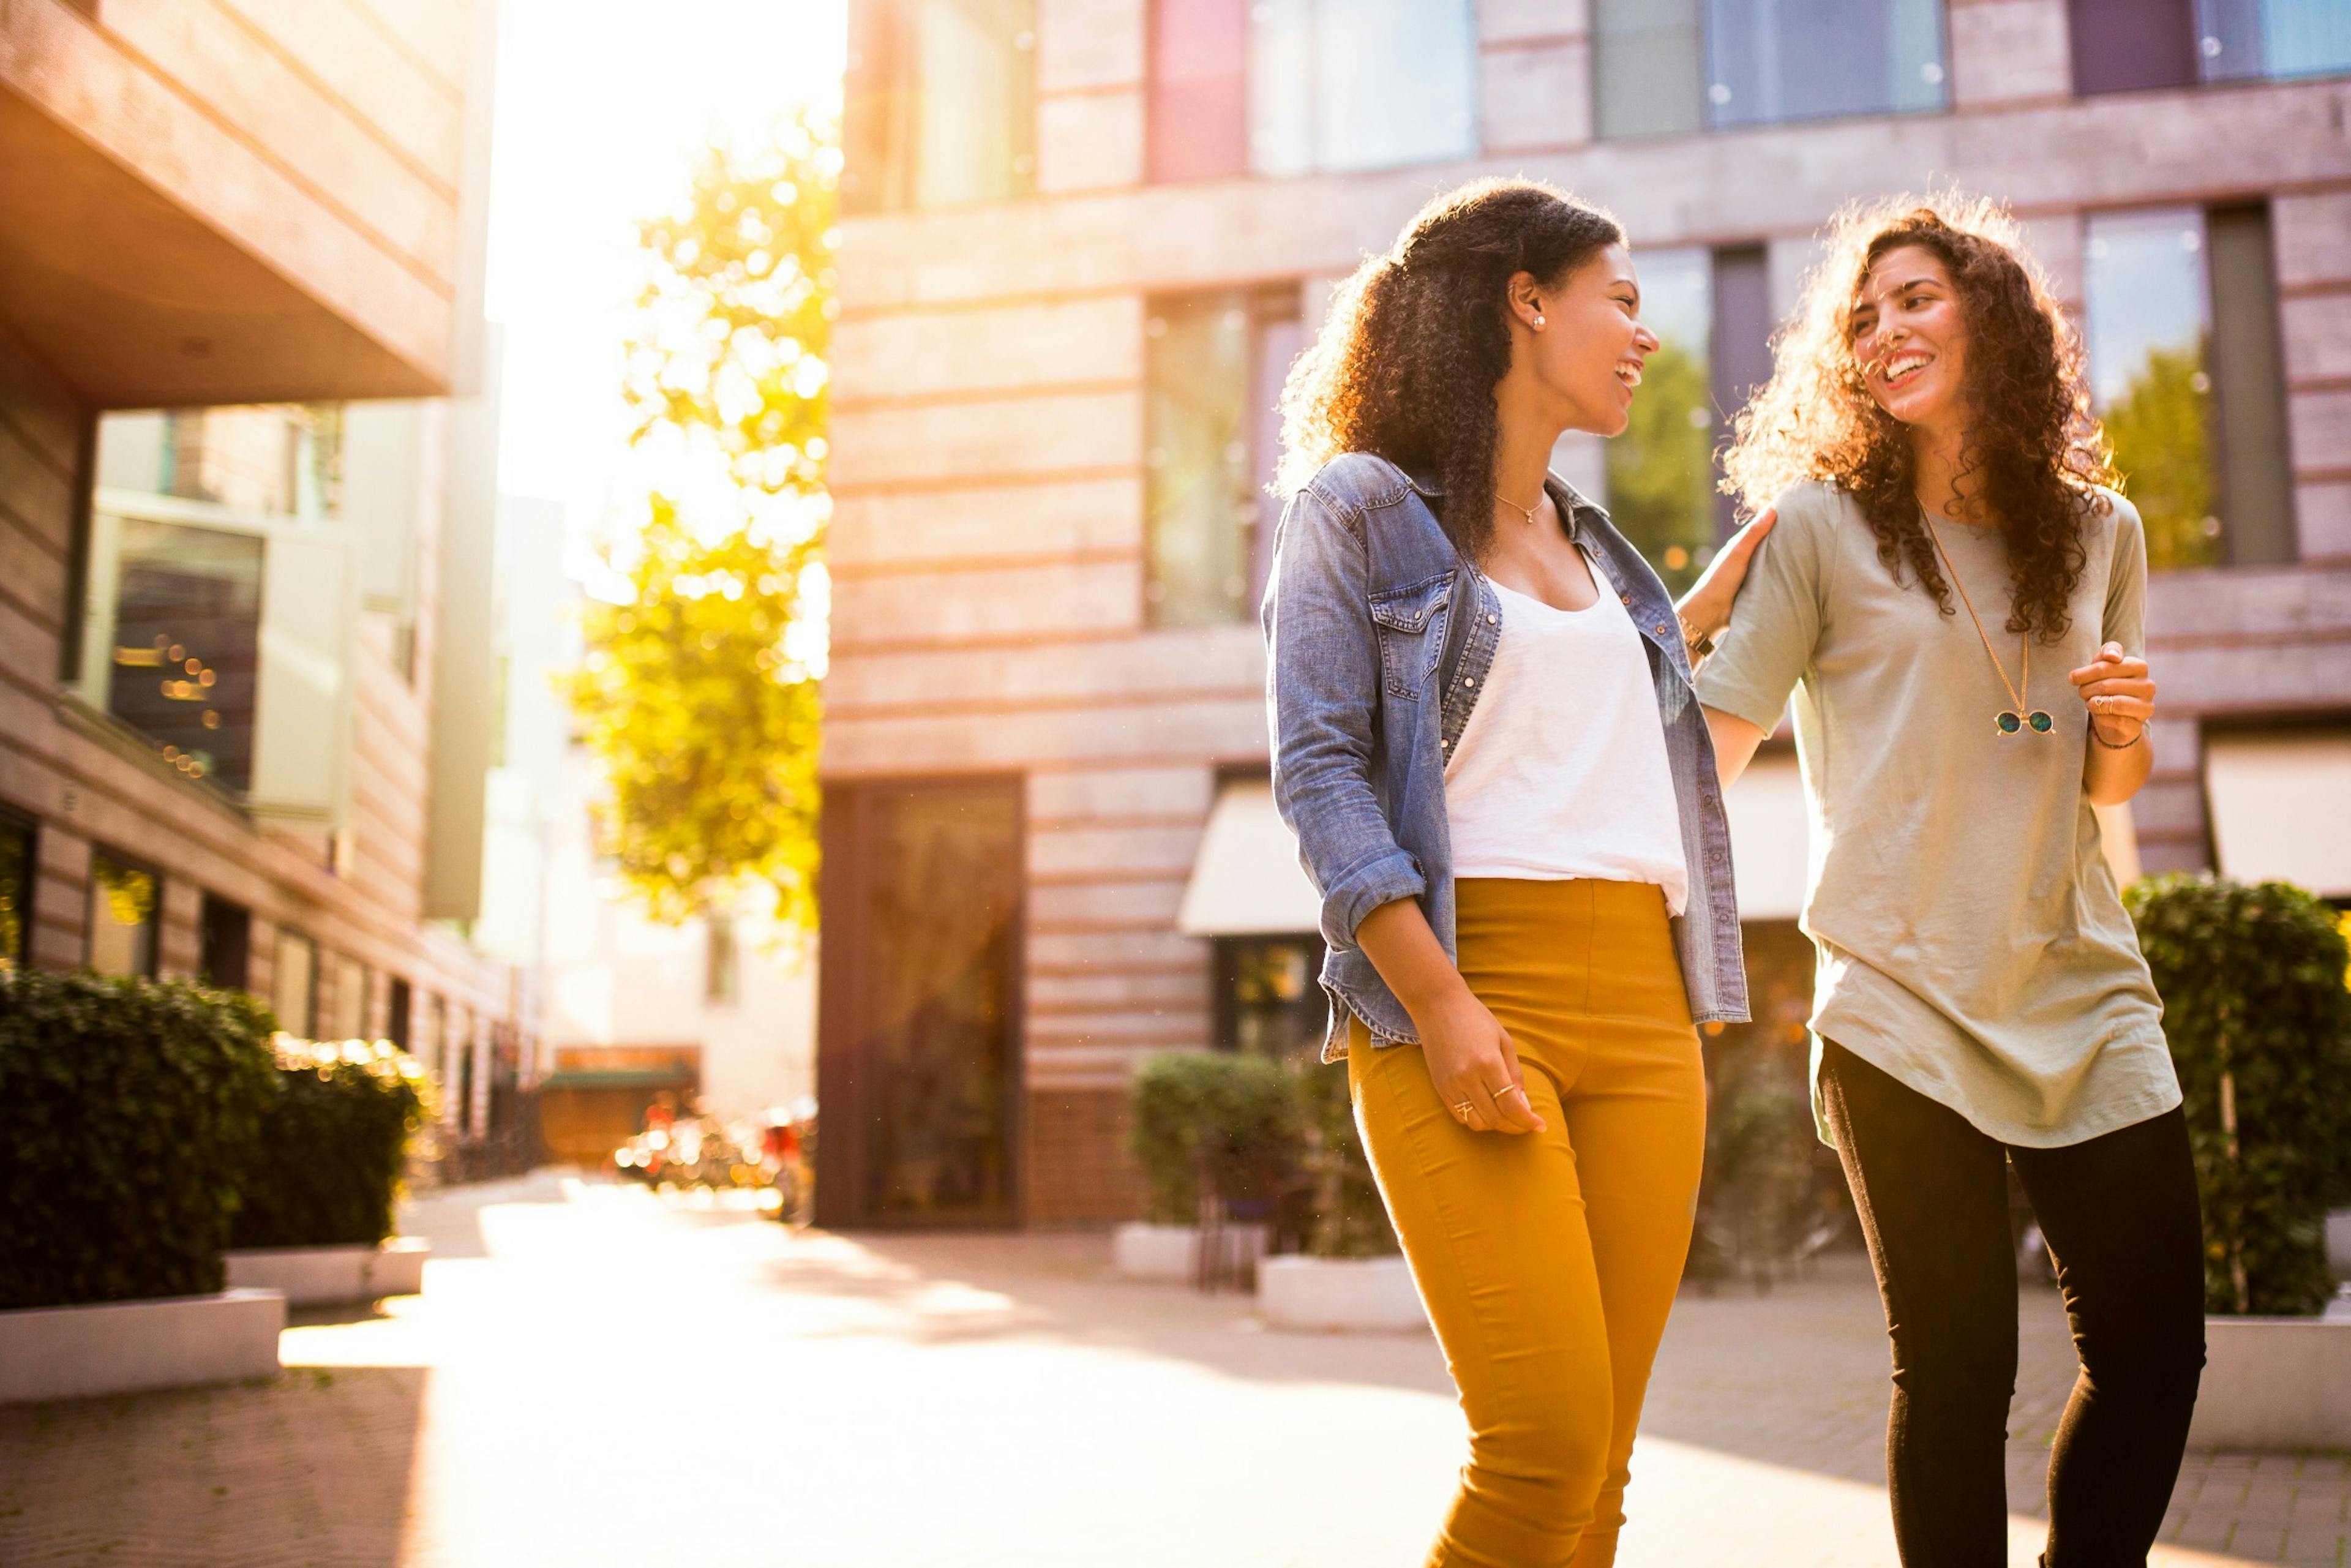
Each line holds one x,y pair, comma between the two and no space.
1323,702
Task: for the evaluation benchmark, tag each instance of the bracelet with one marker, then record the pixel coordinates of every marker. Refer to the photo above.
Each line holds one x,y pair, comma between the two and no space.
2127,745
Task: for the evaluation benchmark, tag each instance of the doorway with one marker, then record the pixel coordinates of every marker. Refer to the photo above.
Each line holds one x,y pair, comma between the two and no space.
918,1048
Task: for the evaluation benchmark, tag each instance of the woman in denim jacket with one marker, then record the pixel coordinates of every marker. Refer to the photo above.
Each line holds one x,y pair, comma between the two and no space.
1485,738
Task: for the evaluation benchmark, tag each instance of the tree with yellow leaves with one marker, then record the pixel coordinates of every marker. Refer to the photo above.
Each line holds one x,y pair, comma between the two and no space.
698,694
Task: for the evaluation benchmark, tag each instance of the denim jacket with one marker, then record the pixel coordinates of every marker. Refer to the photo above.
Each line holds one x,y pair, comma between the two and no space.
1372,671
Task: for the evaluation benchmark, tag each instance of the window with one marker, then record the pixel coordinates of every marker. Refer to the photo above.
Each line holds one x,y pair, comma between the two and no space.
224,637
1663,66
940,103
347,1005
17,870
1269,1000
1215,364
223,944
719,961
396,1013
294,983
1711,313
2185,372
125,909
186,643
2240,39
2123,46
1297,87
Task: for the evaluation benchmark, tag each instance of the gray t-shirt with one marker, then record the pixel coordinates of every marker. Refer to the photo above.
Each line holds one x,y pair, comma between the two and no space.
1970,939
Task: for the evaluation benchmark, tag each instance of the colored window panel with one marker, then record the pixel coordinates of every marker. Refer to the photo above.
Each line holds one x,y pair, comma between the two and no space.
2149,338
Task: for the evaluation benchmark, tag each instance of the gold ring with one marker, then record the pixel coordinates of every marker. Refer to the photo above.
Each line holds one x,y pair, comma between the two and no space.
1461,1112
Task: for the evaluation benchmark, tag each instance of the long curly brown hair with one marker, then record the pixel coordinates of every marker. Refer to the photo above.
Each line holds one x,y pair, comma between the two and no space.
2033,452
1416,339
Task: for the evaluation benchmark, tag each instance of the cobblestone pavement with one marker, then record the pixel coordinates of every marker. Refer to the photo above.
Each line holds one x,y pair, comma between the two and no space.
595,1377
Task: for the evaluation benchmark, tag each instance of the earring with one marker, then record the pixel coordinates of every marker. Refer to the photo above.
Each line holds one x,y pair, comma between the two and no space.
1539,321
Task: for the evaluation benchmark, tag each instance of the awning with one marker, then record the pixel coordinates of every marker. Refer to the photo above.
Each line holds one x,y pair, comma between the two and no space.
1246,880
1769,830
2278,808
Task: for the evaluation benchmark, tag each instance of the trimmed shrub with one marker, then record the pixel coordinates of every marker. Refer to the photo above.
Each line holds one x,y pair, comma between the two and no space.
2252,981
325,1171
1222,1114
128,1109
1343,1215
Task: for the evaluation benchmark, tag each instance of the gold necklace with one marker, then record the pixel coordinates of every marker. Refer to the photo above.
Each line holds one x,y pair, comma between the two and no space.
2010,721
1526,512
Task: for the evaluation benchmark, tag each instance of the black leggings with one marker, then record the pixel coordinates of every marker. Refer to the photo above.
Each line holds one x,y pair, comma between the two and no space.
2120,1214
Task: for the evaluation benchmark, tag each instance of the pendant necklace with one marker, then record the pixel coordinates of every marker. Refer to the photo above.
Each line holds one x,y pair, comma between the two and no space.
2010,721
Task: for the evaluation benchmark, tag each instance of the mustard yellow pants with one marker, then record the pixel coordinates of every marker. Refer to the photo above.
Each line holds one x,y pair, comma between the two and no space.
1548,1260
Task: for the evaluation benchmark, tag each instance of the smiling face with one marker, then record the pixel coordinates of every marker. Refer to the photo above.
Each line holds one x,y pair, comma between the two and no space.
1911,339
1587,357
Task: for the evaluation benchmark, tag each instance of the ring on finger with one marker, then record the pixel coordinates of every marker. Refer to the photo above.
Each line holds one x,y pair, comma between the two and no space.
1461,1112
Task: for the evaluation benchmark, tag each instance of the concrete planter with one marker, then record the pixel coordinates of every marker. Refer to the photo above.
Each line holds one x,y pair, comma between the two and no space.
2274,1382
1339,1294
1170,1254
122,1347
316,1276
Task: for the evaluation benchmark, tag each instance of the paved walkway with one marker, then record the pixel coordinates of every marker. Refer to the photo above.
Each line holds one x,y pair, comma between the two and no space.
597,1377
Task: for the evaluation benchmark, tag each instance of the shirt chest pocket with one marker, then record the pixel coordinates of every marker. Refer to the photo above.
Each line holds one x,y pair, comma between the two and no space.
1411,626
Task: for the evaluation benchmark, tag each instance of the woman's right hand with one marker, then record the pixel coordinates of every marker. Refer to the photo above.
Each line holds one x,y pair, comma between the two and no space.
1474,1064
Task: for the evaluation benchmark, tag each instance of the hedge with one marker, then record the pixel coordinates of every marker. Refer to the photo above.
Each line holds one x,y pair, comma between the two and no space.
1232,1114
127,1110
2252,981
326,1168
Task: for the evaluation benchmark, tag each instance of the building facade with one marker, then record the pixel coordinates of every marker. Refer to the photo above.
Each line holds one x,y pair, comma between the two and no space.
242,656
1086,238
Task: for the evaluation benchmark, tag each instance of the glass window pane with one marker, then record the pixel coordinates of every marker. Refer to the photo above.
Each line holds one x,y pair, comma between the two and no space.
294,983
1396,82
1282,87
2306,37
975,120
1199,507
1200,88
224,941
1272,1004
15,893
2126,45
1661,470
2228,39
1359,84
187,624
1646,72
2148,339
1774,60
125,906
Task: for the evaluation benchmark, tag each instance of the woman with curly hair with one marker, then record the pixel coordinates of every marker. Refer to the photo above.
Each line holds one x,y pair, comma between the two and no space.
1485,738
1956,596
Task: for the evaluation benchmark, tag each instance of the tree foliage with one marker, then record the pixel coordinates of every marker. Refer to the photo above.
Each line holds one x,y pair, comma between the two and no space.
2161,431
2252,981
699,694
1661,470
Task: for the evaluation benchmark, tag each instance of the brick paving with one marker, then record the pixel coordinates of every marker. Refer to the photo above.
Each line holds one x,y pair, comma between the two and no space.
597,1377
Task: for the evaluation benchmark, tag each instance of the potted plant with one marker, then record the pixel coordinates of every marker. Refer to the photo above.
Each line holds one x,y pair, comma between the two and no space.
2255,1005
322,1183
129,1109
1213,1132
1349,1274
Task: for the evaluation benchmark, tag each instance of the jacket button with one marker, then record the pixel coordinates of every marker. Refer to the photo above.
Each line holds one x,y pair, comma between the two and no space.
1469,680
1624,599
1492,620
1661,628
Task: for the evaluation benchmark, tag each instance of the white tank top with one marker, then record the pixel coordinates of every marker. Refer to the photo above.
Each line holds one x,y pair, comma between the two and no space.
1560,771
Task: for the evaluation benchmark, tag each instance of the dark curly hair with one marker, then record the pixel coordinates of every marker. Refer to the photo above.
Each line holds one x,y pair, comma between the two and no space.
1406,365
2034,448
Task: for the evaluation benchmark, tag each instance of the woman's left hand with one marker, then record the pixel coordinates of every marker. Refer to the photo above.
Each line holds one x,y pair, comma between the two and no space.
2114,687
1705,609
